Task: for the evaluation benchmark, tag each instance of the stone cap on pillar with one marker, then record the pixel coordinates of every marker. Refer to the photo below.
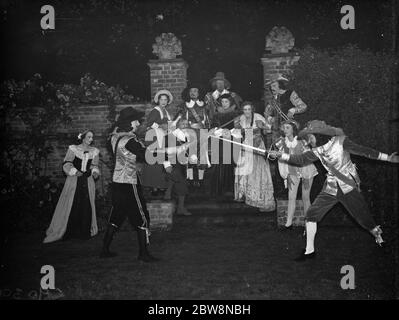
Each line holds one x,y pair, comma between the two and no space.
167,46
279,41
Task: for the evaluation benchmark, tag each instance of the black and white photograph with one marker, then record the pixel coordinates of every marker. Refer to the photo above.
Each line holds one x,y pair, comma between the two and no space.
219,152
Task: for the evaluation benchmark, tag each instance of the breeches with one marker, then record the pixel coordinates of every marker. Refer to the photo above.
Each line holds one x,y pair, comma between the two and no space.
353,202
128,201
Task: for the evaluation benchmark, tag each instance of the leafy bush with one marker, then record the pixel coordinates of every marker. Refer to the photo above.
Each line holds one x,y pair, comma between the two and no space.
42,106
351,88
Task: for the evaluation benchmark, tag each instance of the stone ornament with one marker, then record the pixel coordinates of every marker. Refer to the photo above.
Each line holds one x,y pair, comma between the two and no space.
167,46
279,40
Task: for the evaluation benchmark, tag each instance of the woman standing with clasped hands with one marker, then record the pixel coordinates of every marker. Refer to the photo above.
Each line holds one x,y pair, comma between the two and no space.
253,181
75,214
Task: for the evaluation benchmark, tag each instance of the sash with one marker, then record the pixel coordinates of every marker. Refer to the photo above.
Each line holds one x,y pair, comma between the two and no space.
195,114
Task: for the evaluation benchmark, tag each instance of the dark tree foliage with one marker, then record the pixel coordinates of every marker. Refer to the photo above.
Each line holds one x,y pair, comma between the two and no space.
112,39
351,88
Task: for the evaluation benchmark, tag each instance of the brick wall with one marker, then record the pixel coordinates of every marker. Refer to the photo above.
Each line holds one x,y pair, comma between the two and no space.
277,63
170,75
83,117
336,217
299,216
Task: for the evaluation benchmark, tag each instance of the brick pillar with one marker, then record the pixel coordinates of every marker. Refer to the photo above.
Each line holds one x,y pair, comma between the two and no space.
279,55
170,74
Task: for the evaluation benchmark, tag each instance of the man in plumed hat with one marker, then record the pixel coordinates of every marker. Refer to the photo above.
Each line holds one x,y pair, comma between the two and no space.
127,196
220,85
287,101
333,149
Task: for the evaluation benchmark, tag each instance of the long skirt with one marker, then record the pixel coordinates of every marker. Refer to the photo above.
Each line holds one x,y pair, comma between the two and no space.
75,214
253,181
79,221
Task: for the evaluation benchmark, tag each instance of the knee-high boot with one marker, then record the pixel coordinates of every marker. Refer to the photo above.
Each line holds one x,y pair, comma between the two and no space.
144,254
109,234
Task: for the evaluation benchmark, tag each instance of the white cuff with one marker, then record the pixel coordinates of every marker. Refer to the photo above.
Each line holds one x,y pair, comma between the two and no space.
285,156
383,156
73,171
167,164
179,134
292,110
95,170
155,125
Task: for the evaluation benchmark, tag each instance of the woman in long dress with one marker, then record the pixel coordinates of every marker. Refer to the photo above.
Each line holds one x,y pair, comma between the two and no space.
75,213
253,181
153,175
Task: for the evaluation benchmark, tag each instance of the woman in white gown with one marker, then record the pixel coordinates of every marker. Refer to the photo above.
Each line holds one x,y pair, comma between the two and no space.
253,181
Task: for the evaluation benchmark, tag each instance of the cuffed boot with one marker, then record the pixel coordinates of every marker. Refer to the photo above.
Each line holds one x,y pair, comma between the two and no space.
109,234
144,254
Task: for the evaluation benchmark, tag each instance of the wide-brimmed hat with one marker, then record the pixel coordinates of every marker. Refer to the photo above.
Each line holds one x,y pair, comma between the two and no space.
292,122
274,78
225,96
165,92
320,127
220,76
185,95
127,115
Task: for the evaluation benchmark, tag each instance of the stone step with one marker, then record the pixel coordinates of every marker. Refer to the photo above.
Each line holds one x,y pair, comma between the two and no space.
227,218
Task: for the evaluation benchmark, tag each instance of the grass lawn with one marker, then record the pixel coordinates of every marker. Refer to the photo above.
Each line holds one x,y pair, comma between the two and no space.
214,262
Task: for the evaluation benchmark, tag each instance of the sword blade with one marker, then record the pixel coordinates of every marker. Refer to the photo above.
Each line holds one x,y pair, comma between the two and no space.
240,144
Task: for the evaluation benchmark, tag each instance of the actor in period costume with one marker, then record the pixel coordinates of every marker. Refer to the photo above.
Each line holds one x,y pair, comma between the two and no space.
194,113
283,105
223,173
177,182
153,175
220,85
75,214
253,181
342,183
127,196
293,174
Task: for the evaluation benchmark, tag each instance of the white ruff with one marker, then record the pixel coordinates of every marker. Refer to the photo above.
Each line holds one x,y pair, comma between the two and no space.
291,144
192,103
216,94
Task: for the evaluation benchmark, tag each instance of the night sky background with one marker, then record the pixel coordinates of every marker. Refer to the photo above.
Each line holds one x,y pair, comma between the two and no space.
113,39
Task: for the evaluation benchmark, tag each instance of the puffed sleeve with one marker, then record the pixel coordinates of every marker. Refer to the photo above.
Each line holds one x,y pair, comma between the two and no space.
258,117
153,119
300,106
95,161
68,166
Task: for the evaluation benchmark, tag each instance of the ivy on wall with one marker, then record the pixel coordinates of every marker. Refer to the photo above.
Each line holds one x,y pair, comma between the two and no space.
41,106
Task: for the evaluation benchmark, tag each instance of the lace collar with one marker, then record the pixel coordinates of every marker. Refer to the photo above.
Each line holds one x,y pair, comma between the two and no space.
291,144
192,103
91,153
216,94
